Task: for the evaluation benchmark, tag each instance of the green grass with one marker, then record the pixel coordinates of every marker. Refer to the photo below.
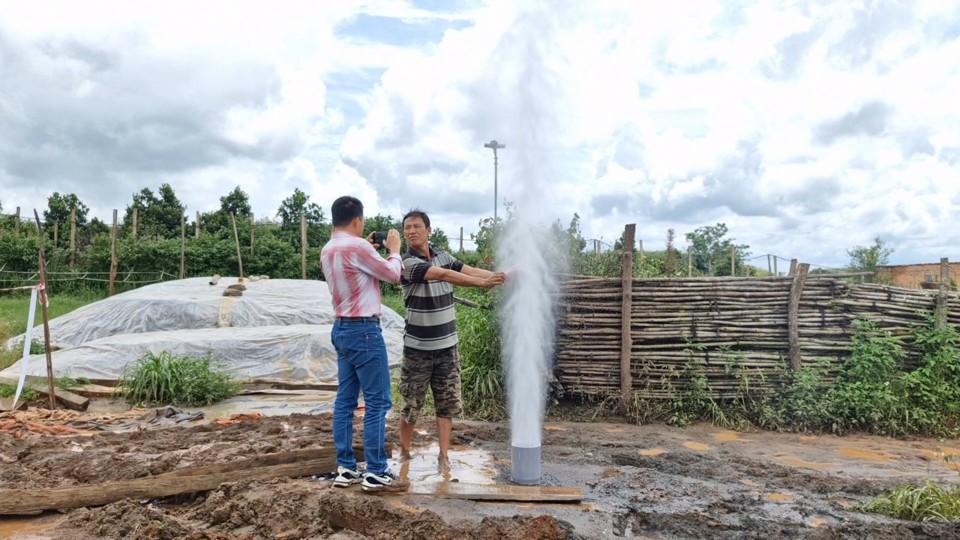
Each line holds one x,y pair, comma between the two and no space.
8,390
393,299
168,379
918,503
14,309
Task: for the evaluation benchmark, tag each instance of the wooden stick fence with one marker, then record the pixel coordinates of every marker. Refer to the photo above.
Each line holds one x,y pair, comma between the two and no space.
652,336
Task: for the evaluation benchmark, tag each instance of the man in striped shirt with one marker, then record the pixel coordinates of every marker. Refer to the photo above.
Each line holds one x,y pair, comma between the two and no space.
430,356
353,271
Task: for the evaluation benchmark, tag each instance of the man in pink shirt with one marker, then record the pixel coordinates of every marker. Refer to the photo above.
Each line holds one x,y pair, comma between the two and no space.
353,271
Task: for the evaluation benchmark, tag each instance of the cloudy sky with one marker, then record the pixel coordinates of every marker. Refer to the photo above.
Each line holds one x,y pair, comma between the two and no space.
806,127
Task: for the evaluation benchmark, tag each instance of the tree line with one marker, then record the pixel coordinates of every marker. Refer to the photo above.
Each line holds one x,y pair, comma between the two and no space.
271,245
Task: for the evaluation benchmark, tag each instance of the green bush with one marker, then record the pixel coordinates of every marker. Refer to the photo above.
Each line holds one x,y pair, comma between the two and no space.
161,379
481,364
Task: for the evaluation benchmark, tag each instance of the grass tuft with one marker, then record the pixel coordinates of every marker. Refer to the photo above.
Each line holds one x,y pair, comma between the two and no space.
168,379
918,503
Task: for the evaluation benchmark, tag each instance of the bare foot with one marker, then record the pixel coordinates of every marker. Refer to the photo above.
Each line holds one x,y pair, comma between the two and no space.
404,455
443,465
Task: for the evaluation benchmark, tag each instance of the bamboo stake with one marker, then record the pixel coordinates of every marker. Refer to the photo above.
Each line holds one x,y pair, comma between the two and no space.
113,255
73,237
183,240
941,314
46,318
626,340
236,238
303,246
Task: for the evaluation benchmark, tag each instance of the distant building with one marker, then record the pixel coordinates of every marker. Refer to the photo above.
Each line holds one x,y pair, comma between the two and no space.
912,276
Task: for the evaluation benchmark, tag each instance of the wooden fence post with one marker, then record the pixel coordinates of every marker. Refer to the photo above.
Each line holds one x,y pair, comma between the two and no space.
941,316
626,339
42,259
461,239
303,246
793,314
183,240
113,255
775,272
196,226
733,260
133,228
236,238
253,226
793,266
16,222
689,261
73,237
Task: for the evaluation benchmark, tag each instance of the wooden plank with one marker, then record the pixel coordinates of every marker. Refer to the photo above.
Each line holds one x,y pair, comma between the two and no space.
40,385
6,404
498,492
626,317
188,480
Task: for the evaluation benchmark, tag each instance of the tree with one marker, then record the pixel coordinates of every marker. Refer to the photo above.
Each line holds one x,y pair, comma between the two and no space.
236,202
439,240
157,215
711,250
59,208
870,258
671,257
296,205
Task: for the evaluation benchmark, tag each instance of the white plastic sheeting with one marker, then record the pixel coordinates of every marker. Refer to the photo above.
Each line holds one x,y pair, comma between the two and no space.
278,330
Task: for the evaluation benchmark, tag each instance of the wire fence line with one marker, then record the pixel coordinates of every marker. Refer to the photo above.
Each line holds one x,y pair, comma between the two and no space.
61,281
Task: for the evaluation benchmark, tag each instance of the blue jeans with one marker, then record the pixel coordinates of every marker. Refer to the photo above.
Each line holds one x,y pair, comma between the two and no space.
361,365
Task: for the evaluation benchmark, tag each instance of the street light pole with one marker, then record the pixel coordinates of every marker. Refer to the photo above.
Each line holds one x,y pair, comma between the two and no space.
494,145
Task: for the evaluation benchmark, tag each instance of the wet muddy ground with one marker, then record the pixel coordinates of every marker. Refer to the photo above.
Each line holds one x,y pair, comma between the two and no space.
638,482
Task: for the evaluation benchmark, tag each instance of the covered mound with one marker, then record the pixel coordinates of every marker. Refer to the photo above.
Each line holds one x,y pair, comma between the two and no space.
278,330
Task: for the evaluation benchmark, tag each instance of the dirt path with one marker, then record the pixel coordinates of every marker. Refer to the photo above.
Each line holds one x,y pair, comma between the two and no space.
640,482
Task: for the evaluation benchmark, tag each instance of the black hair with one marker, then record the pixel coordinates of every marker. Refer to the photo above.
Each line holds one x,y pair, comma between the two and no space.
416,213
346,209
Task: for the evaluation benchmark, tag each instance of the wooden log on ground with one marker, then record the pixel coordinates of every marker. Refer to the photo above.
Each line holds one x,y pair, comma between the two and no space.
189,480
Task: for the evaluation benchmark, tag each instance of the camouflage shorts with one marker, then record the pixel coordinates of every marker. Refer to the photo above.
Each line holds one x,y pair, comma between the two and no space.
437,370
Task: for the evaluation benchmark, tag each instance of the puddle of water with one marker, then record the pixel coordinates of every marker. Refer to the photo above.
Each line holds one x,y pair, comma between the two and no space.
749,483
857,453
938,456
727,436
698,447
303,402
467,465
38,524
650,452
779,497
806,464
554,428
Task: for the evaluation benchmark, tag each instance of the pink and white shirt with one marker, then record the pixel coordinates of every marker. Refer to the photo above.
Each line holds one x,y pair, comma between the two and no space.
353,271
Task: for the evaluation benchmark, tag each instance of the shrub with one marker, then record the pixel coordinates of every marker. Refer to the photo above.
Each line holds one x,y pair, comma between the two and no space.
158,379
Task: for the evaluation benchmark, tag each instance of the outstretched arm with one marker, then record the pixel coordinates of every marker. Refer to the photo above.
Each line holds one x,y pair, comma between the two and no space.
476,272
465,279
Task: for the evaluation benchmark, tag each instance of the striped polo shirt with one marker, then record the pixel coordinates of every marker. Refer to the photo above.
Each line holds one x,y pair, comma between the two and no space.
431,319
